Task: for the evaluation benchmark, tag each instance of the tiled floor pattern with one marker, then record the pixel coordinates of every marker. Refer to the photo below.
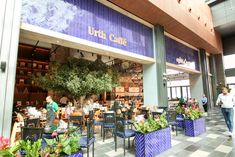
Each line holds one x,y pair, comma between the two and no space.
214,143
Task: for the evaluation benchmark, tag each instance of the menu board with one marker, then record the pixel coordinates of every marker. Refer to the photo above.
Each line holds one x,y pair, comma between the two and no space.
134,89
119,89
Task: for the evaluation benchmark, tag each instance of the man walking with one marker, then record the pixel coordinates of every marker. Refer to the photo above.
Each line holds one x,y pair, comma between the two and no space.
226,101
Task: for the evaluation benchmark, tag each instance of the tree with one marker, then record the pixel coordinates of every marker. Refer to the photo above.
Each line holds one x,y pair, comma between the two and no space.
79,77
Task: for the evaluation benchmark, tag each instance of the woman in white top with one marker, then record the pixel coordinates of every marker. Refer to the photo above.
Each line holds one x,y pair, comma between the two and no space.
226,101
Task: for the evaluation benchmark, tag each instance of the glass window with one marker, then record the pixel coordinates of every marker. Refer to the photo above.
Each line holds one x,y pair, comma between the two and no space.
229,61
173,89
169,93
189,94
184,90
178,92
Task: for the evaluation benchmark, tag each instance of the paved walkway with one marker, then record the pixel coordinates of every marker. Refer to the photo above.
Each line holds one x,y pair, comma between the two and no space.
214,143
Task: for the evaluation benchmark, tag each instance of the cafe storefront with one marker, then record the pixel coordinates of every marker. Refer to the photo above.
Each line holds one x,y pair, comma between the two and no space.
103,29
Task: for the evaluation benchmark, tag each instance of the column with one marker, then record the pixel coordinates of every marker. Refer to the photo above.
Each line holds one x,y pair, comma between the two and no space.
213,78
205,77
154,75
10,12
196,86
220,73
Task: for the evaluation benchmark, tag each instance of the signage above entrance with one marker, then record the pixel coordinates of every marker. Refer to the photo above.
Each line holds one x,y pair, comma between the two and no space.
181,55
92,21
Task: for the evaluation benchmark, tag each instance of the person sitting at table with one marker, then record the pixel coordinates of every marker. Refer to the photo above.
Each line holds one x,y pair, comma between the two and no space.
87,106
116,105
96,105
63,101
52,108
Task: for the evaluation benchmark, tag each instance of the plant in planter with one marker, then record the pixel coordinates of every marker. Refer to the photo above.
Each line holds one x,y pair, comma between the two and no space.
28,148
152,137
194,122
4,147
63,145
180,110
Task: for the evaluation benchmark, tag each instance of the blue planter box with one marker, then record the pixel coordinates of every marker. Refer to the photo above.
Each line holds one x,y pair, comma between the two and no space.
195,127
78,154
152,144
180,122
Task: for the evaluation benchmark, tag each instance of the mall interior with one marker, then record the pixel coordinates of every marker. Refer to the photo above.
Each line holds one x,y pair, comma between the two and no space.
162,50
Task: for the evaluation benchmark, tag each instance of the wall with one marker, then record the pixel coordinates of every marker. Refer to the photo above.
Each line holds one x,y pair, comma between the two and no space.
9,37
178,20
196,86
223,13
229,49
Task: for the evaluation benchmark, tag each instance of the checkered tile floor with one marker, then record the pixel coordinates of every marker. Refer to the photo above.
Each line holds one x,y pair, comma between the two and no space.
214,143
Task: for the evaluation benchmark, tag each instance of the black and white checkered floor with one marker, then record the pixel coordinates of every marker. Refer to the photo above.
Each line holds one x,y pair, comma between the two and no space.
214,143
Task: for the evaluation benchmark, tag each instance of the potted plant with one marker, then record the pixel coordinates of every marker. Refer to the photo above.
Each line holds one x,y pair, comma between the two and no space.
27,148
66,144
4,147
194,121
152,137
180,109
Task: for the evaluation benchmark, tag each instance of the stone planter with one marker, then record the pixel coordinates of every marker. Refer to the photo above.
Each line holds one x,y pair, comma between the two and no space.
153,143
195,127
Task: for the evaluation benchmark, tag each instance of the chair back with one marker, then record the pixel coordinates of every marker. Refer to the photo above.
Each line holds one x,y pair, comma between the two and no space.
76,121
31,134
32,122
109,118
145,113
90,129
120,124
171,116
91,115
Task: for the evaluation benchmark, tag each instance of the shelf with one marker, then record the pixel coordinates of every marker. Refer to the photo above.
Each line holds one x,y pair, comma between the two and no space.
32,61
23,85
31,69
23,76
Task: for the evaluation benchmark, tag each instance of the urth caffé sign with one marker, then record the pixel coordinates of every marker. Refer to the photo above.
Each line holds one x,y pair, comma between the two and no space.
105,36
92,21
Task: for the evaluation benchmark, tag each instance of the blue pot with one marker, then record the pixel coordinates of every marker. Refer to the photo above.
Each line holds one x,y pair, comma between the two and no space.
195,127
78,154
153,143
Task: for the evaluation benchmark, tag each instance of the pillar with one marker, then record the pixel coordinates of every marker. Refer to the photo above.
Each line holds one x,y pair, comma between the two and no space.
213,77
205,77
154,75
220,73
196,86
10,12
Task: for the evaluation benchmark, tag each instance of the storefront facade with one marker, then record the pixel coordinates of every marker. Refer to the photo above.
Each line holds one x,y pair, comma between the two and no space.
90,26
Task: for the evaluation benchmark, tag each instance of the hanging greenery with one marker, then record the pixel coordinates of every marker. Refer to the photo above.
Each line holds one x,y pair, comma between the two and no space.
79,77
